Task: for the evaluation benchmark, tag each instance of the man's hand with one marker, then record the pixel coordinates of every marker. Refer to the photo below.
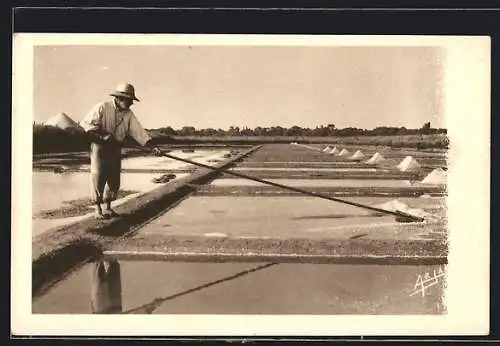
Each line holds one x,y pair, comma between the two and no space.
97,136
157,151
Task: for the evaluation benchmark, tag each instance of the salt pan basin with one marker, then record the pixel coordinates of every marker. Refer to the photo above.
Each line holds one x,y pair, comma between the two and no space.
253,288
164,163
152,162
316,182
249,163
271,217
51,191
295,169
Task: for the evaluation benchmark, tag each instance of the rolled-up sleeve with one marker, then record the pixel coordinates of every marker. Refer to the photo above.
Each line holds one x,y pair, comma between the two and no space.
92,120
137,132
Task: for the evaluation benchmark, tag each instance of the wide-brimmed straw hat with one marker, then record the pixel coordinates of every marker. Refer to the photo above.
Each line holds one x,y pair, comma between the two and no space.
125,90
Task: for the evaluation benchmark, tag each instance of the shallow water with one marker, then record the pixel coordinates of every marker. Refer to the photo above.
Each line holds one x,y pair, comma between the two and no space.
253,288
51,190
151,162
278,216
272,163
317,182
164,163
294,169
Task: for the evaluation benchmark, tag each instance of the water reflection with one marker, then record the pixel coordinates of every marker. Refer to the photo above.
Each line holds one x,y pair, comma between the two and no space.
114,284
106,286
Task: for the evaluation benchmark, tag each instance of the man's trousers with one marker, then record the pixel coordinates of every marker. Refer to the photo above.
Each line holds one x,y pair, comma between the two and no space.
105,169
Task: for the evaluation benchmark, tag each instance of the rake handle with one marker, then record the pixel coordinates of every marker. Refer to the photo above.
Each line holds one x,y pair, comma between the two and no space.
305,192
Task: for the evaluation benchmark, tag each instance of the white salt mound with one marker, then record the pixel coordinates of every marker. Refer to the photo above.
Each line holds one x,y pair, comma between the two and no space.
376,158
436,177
334,150
344,152
63,121
327,149
408,164
396,205
357,155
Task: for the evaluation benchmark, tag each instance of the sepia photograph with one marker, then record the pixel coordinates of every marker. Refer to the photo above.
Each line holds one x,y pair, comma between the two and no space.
250,184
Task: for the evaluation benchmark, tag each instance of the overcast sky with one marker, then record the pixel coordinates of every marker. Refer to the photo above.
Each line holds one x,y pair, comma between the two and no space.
209,86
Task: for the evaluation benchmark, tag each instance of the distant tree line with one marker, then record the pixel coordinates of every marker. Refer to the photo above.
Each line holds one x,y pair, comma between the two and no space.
296,131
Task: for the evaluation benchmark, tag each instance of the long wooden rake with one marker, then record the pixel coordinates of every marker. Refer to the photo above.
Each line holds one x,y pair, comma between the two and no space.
400,216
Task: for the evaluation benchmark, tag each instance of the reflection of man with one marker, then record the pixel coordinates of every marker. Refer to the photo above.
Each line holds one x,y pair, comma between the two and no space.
108,123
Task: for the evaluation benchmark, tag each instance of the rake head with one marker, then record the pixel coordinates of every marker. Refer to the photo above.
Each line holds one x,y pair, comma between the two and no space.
406,218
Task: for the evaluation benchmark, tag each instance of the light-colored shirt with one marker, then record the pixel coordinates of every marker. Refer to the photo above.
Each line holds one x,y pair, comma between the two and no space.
107,117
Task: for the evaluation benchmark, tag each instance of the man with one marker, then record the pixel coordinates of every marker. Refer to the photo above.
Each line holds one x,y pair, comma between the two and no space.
108,124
